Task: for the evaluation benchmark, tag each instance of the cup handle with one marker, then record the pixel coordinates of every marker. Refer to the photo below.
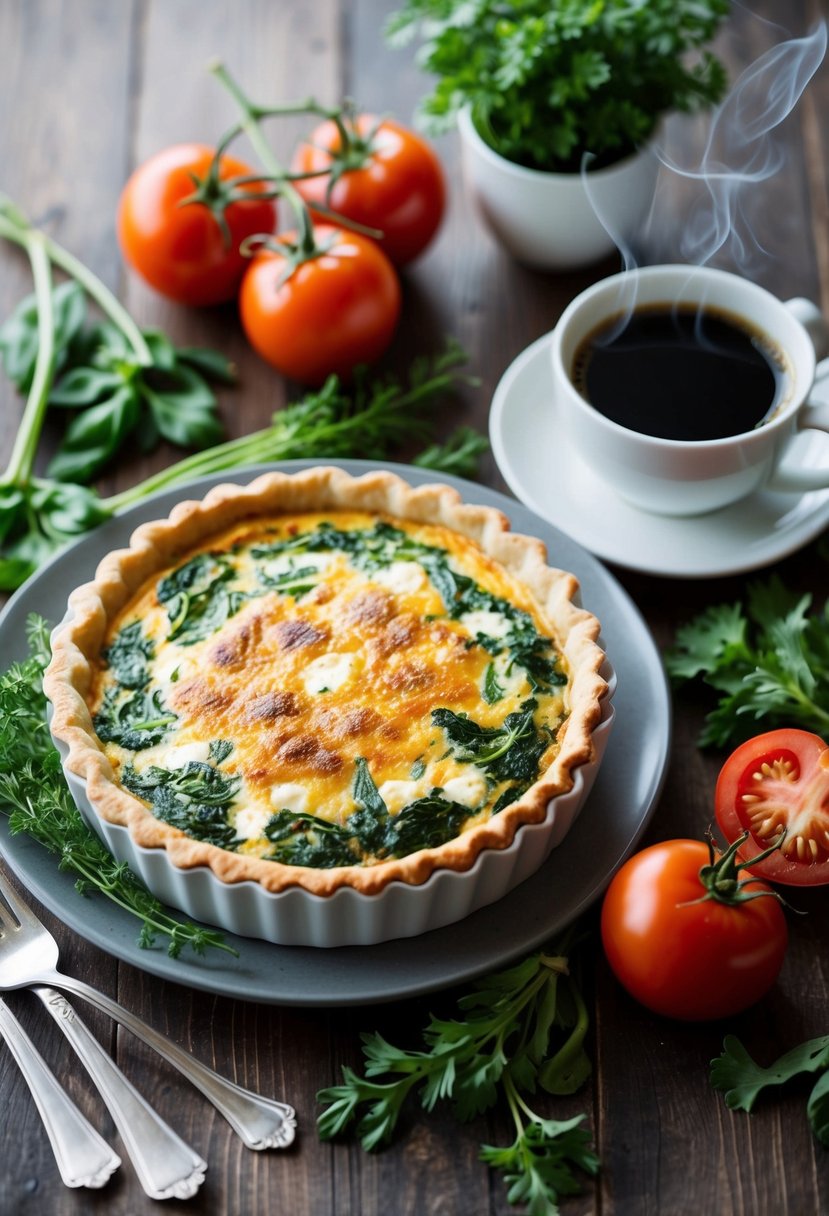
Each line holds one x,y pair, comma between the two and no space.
814,415
812,320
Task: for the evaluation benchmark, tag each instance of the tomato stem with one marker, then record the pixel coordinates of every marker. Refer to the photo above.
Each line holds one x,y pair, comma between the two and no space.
721,877
249,123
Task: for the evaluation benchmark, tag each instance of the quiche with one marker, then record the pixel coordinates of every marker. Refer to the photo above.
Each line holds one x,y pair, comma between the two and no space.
324,681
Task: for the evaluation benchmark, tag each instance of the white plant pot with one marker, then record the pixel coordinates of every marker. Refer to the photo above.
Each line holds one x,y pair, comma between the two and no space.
558,221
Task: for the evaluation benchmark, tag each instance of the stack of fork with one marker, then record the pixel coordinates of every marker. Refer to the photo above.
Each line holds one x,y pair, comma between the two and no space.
166,1167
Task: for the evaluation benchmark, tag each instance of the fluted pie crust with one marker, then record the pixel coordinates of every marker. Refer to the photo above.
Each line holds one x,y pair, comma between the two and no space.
73,679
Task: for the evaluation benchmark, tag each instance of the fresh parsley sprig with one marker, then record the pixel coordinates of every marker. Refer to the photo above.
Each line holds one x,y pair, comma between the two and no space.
742,1080
547,82
522,1028
767,659
35,797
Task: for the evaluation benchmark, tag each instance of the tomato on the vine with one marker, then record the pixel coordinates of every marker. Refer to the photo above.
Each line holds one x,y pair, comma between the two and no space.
331,312
690,938
386,178
779,782
184,251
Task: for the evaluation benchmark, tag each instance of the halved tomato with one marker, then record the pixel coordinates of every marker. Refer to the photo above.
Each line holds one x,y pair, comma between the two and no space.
774,783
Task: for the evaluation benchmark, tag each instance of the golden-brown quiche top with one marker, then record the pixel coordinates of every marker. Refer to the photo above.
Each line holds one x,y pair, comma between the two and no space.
321,681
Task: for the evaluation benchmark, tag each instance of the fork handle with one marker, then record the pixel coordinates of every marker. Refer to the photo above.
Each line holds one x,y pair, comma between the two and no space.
261,1122
166,1167
82,1156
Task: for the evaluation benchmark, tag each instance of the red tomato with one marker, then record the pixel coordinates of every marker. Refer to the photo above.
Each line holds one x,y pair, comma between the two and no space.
335,311
181,250
682,958
395,182
779,780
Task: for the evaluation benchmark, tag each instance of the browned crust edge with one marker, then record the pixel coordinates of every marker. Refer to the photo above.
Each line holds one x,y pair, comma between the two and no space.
156,544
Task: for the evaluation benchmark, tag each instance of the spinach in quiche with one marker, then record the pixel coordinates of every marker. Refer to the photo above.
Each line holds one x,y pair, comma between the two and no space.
198,597
195,799
301,839
455,769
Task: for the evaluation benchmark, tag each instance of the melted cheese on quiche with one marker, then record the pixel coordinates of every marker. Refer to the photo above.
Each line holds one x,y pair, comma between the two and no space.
295,653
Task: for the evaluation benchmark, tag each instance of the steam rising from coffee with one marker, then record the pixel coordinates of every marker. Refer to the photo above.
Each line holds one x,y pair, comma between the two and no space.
742,150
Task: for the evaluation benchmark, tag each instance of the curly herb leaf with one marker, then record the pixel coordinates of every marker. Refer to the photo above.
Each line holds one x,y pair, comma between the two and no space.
768,659
547,81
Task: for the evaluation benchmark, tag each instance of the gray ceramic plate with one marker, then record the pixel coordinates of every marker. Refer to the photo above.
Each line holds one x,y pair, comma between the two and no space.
612,820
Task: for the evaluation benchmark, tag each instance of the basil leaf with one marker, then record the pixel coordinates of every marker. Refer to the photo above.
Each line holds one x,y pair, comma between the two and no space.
184,410
83,386
14,571
162,349
19,339
94,437
209,363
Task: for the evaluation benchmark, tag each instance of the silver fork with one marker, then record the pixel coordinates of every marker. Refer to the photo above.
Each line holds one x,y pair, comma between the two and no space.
29,956
166,1167
83,1157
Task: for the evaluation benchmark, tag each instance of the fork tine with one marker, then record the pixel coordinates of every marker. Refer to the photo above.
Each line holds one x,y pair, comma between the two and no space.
21,911
7,918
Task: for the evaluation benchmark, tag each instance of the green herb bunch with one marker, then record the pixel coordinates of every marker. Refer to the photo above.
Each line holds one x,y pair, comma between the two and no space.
548,80
35,797
521,1029
767,659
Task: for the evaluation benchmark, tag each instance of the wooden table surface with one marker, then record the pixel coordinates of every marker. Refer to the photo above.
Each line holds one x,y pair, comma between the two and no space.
87,90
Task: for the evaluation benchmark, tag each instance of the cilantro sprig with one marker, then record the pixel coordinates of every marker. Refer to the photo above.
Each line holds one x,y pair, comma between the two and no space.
35,797
522,1029
767,659
742,1080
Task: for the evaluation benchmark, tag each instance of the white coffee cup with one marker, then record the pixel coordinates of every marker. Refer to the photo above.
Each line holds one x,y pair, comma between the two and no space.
679,477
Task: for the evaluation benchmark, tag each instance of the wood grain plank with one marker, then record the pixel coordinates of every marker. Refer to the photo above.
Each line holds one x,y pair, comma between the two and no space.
63,161
134,80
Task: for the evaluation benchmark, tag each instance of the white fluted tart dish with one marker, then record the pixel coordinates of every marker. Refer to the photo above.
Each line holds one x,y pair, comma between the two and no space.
327,710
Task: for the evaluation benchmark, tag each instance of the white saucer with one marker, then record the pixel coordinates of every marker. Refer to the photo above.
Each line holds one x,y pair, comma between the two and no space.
547,475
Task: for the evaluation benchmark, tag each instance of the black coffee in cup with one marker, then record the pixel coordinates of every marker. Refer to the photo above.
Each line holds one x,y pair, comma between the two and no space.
680,373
